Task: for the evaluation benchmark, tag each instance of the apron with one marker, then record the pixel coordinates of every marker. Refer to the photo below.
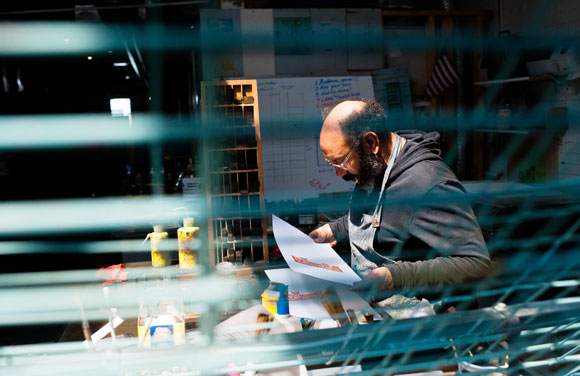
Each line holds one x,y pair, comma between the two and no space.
361,235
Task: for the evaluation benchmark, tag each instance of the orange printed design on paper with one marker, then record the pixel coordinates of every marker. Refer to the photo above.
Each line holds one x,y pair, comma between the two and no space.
295,295
305,261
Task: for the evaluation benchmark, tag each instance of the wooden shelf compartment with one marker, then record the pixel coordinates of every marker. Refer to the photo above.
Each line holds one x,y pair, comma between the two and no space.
235,190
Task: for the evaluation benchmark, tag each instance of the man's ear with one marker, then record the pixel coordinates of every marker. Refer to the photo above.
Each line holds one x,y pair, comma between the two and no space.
371,143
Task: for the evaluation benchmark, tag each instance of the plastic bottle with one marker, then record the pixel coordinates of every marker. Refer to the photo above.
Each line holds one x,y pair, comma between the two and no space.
189,182
161,323
159,257
185,236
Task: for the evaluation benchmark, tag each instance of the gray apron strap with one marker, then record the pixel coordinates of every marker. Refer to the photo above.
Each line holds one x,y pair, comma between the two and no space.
377,213
361,236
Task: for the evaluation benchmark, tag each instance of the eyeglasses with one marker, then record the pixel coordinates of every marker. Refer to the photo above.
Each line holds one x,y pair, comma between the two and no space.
344,161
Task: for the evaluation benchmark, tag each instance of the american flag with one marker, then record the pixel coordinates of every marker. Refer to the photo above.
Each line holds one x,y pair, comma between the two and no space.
443,76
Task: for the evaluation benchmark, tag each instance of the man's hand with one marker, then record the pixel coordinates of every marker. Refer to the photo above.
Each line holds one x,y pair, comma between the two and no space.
379,279
323,234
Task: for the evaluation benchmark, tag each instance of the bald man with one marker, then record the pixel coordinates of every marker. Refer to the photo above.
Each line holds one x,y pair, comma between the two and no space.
406,202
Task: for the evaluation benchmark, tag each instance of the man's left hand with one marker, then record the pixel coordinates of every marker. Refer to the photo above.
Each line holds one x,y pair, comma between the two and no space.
379,278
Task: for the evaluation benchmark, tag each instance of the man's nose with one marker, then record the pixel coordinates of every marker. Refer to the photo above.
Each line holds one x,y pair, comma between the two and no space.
340,172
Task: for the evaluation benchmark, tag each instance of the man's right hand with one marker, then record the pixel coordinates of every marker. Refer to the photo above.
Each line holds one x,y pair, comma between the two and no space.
323,234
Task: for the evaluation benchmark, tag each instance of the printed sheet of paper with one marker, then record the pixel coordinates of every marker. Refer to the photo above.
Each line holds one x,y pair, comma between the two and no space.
304,294
305,256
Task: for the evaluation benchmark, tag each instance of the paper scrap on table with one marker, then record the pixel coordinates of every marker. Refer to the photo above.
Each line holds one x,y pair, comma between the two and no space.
305,256
244,324
304,294
105,329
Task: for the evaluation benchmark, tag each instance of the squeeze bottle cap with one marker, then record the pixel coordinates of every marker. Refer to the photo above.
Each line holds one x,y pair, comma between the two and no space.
158,228
188,222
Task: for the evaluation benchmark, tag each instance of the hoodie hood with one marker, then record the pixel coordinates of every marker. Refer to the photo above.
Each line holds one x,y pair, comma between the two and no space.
420,146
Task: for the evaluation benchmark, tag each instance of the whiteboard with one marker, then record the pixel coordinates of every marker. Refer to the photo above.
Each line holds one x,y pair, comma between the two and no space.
290,122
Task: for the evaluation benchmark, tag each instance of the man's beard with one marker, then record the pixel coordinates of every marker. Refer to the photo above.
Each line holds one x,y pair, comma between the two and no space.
371,168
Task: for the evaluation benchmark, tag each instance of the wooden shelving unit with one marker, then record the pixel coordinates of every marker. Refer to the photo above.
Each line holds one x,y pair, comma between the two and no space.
235,190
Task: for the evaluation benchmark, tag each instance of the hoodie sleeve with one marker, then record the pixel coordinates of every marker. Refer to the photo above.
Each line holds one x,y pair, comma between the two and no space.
340,228
449,227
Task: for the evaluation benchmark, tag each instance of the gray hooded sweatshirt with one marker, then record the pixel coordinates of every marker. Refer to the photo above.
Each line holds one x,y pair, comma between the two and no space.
428,229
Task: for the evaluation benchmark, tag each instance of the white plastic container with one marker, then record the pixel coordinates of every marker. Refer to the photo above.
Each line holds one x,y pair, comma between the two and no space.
291,323
161,324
